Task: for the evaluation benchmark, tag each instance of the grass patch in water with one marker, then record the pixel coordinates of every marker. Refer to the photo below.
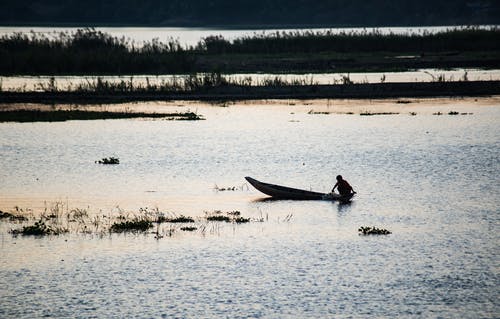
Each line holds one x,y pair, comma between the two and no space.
219,218
111,160
131,226
39,229
366,230
318,112
377,113
189,228
228,217
12,217
179,219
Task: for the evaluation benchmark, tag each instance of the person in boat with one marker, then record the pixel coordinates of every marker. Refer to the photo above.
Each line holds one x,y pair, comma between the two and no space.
343,187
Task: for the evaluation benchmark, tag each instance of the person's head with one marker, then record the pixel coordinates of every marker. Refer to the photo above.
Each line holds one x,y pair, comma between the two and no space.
339,177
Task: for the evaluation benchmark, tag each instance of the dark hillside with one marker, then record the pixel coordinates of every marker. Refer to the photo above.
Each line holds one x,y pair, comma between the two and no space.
250,13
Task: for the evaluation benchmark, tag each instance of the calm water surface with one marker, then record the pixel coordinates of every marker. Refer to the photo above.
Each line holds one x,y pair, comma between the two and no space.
432,180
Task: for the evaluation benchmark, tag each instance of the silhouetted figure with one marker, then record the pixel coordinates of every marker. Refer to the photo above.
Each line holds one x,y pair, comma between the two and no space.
343,186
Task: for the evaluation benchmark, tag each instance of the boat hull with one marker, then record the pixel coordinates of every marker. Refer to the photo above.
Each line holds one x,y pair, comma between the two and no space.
283,192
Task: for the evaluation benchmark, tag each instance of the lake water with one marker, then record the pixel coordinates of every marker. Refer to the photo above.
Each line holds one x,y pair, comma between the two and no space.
432,180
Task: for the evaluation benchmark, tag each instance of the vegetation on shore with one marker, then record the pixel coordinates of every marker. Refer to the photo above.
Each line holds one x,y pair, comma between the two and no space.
88,51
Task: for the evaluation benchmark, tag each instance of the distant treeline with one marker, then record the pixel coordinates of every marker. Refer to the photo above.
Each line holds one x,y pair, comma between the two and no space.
89,51
250,13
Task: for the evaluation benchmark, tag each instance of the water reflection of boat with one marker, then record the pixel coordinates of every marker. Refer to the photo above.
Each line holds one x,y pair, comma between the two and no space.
283,192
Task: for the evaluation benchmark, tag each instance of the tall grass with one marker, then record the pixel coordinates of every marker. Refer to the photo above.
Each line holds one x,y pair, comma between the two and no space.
88,51
468,39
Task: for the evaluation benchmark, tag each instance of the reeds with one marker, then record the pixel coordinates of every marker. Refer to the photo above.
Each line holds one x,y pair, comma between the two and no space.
88,51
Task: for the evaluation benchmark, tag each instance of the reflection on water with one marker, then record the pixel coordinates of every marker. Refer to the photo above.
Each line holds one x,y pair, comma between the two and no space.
431,180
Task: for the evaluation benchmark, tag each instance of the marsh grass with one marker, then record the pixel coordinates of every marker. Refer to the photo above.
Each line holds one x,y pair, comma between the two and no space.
88,51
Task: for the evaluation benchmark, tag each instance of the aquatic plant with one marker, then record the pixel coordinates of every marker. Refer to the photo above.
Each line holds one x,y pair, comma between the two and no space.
109,161
366,113
179,219
131,226
219,218
241,220
39,229
12,217
189,228
318,112
366,230
228,217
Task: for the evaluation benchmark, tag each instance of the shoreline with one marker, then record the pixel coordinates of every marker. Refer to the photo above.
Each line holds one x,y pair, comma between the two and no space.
243,92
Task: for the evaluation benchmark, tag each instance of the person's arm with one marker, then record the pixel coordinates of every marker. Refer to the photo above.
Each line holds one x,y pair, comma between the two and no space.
336,184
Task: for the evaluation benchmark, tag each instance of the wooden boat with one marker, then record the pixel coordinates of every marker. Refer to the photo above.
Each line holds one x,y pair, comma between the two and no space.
283,192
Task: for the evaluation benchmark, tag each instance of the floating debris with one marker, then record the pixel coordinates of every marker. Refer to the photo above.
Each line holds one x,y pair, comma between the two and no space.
364,230
110,160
